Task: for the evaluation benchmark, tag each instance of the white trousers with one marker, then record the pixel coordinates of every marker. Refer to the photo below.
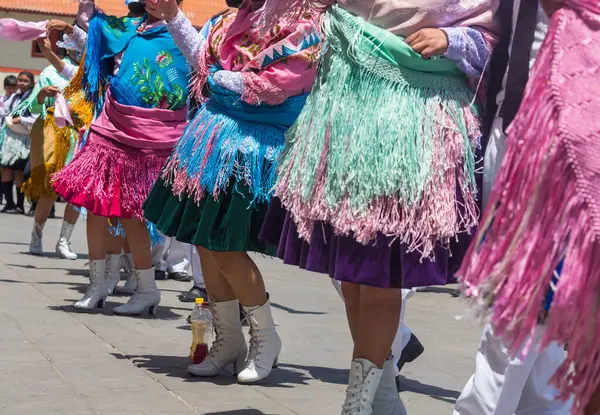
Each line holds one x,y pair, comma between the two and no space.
195,267
402,335
519,386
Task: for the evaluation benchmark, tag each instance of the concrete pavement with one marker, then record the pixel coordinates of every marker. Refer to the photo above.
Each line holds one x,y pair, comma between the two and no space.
54,360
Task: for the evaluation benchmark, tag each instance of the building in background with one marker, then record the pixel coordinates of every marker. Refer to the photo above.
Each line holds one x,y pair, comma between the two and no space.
19,56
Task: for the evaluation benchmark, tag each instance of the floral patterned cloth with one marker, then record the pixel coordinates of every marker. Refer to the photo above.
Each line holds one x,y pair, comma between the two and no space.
274,67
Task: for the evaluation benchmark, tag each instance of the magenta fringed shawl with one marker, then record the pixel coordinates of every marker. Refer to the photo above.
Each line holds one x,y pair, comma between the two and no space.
546,202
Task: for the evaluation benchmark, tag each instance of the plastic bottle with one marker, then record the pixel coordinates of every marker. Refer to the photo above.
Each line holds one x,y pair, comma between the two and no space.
202,324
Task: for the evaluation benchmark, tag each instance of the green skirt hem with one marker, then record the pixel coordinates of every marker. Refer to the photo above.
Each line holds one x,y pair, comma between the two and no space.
230,224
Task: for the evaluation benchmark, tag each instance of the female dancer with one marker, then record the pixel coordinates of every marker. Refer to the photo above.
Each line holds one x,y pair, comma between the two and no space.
537,256
145,77
15,141
51,148
376,198
215,189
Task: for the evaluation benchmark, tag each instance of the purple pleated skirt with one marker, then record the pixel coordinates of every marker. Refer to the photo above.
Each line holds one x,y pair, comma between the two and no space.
384,263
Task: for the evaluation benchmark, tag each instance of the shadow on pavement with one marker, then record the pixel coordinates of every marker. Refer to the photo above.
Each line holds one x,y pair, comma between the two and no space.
323,374
439,290
163,313
13,243
239,412
82,272
434,392
293,311
175,366
11,281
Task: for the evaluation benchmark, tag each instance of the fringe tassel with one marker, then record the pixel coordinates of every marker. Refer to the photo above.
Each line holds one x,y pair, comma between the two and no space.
63,144
117,189
543,206
274,12
216,149
395,174
82,108
94,80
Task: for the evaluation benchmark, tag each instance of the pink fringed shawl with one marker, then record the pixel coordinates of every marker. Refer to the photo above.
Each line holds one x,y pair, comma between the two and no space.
17,31
275,66
547,202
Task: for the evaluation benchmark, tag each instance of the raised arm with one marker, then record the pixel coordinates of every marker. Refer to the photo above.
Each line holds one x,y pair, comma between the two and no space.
188,39
46,49
86,10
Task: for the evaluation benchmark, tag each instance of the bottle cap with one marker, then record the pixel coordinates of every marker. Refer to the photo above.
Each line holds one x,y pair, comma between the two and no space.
200,301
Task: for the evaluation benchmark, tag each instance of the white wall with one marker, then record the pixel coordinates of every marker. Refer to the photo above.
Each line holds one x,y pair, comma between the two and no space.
18,54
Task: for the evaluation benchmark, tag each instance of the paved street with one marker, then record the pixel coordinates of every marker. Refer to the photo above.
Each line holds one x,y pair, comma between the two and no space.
57,361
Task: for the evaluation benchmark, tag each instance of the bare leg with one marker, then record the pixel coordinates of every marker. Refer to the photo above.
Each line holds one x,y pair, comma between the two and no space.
6,175
115,244
216,284
378,321
19,179
43,208
136,230
71,214
126,247
97,234
243,276
593,407
352,301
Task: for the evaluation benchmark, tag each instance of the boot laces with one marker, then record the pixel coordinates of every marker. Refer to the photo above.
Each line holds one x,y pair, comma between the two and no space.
218,342
256,344
355,399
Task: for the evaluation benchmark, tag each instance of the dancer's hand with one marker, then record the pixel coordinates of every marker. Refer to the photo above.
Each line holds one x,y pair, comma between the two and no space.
428,42
47,92
45,46
60,26
162,9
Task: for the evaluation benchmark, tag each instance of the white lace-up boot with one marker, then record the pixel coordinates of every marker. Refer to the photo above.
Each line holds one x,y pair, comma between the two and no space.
63,246
387,399
96,294
265,345
35,246
229,347
145,298
113,272
363,382
128,266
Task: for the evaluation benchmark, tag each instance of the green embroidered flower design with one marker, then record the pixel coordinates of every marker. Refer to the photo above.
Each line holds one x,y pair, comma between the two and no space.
117,25
164,59
153,88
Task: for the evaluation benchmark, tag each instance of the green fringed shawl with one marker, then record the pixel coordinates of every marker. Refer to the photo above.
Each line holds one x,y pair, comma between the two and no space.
384,141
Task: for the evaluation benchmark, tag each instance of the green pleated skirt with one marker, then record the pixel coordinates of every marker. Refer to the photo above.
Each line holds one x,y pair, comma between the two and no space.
230,224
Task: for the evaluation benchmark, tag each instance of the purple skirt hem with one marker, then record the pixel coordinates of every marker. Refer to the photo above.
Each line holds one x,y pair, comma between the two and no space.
384,263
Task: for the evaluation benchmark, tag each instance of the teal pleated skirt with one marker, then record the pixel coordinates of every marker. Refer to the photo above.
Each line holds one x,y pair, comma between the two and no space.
230,224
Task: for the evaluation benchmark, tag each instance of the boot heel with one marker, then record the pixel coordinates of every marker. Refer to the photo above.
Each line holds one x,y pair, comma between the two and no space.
101,303
153,309
276,363
239,364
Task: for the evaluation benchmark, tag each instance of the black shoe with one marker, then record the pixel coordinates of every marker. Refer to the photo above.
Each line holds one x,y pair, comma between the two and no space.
31,211
411,352
189,319
192,294
12,210
52,214
180,276
160,275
